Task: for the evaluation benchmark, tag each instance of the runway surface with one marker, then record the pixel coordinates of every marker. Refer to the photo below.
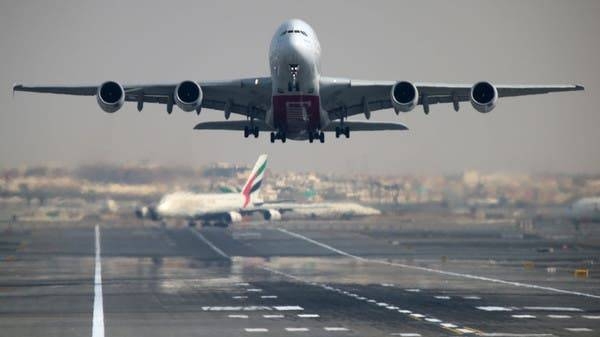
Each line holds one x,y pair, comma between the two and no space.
151,281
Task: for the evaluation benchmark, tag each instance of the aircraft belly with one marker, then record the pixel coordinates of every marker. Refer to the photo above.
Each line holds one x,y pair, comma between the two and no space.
296,114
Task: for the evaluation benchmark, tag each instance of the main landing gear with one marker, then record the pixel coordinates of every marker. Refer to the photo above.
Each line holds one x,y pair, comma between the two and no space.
316,135
278,135
342,130
251,130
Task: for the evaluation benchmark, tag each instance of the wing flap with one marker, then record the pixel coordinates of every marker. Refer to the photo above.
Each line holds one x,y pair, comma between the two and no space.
368,126
231,125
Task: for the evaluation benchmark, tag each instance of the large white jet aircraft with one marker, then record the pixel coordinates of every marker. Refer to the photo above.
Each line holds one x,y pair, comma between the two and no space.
220,209
295,101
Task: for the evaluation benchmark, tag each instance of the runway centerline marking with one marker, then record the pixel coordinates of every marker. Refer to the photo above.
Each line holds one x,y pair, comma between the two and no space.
438,271
98,316
210,244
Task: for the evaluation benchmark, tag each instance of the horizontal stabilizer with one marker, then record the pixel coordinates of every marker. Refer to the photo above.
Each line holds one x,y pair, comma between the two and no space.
232,125
367,126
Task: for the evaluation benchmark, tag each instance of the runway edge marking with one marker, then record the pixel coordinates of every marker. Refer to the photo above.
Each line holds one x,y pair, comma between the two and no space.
210,244
437,271
98,316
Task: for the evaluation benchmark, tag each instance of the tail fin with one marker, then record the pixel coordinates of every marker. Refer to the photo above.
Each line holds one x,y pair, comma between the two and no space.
254,181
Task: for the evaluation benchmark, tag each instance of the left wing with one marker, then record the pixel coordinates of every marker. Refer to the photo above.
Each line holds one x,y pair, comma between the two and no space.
248,97
344,97
366,126
232,125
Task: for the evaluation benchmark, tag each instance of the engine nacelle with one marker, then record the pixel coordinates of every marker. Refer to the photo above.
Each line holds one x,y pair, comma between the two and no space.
188,96
234,217
405,96
484,96
272,215
147,212
110,96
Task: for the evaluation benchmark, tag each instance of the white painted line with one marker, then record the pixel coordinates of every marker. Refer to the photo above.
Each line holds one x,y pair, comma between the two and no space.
449,325
239,297
417,315
391,307
442,297
553,309
210,244
413,290
382,304
273,316
242,284
523,316
471,297
308,315
268,296
254,290
297,329
438,271
405,311
335,328
288,308
256,330
590,317
513,334
406,334
465,330
559,316
494,308
579,329
237,316
98,316
433,320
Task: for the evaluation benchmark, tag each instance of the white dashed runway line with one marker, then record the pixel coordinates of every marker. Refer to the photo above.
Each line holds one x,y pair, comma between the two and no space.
237,316
335,328
273,316
523,316
308,315
579,329
438,271
297,329
256,330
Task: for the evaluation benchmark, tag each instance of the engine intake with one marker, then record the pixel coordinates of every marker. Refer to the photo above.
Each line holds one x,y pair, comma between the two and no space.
110,96
405,96
272,215
232,217
188,96
484,97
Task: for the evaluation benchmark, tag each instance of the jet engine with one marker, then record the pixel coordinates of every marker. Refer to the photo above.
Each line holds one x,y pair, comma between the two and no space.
188,96
405,96
233,217
147,212
484,96
110,96
272,215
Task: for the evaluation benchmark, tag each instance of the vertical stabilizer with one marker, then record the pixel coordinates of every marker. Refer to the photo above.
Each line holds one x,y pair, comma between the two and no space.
254,182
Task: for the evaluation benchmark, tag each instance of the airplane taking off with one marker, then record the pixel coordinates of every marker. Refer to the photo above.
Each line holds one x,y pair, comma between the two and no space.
295,101
221,209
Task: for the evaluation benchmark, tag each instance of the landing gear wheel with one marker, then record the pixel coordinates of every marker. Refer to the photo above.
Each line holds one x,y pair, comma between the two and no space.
283,138
272,137
322,137
347,131
255,132
337,132
311,137
246,132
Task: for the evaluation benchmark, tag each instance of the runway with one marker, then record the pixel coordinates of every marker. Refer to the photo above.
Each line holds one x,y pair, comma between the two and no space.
125,280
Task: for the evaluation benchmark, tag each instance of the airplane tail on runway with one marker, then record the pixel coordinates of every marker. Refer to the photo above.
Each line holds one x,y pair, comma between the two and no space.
254,182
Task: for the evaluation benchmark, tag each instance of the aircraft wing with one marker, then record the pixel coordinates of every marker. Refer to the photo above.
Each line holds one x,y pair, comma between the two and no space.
367,126
363,97
231,125
248,97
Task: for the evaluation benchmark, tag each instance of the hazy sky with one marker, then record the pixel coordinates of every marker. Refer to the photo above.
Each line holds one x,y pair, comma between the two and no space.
537,42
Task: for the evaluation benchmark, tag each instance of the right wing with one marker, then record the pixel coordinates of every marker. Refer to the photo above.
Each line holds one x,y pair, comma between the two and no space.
342,97
248,97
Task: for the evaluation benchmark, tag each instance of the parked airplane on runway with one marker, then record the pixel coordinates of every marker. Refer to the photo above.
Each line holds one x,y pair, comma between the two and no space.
220,209
295,101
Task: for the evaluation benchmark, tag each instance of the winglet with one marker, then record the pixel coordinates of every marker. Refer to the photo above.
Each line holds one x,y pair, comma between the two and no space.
15,88
579,87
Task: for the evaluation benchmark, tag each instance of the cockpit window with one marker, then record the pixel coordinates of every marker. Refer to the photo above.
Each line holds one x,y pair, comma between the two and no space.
293,31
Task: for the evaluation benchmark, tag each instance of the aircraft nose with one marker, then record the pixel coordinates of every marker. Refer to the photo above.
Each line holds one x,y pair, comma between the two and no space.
297,49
